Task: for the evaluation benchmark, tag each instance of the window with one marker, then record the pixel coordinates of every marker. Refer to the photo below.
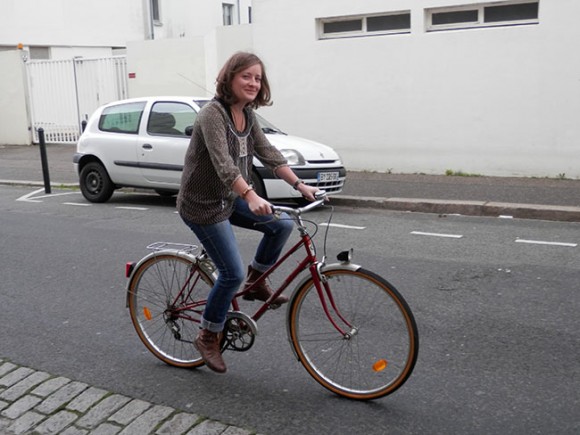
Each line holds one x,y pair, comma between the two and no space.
170,119
228,14
124,118
155,12
507,13
365,25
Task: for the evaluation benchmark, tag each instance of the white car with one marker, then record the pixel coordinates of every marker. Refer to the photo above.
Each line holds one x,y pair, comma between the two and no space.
141,142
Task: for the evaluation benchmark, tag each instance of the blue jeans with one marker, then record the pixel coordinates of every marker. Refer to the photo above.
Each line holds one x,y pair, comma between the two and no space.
220,243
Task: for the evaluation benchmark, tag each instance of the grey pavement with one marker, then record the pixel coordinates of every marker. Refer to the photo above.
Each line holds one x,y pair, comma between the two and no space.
34,402
518,197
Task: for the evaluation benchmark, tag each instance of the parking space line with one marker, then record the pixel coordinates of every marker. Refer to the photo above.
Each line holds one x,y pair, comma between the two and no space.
451,236
540,242
80,204
350,227
132,208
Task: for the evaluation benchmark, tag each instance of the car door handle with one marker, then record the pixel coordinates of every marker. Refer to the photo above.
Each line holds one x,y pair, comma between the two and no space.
147,146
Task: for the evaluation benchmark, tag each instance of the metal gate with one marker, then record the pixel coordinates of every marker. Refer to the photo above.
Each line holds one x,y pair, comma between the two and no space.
63,93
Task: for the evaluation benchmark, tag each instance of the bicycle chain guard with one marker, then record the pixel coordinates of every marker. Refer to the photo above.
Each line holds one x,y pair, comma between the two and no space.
239,332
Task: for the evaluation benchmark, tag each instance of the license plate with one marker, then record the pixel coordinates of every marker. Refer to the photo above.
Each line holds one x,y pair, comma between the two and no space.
324,177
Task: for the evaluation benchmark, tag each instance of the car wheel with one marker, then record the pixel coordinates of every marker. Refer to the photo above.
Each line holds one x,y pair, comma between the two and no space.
96,186
258,185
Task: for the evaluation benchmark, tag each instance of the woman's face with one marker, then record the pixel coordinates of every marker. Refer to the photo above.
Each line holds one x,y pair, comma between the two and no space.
247,83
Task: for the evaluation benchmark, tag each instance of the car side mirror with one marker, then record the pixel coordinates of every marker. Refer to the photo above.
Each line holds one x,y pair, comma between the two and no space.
189,130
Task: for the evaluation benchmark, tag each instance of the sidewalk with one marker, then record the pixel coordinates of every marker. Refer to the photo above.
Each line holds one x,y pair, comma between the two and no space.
34,402
527,198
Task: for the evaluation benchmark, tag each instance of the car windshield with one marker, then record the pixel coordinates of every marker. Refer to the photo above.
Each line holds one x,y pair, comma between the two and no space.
267,126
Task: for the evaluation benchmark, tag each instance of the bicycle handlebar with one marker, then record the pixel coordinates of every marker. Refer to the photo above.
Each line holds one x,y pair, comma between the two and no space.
320,199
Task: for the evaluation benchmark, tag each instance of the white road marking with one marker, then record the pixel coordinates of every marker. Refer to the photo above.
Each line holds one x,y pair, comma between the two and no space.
540,242
133,208
451,236
26,197
350,227
80,204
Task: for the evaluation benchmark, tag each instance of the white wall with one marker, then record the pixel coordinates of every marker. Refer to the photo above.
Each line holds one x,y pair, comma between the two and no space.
107,23
13,115
496,101
183,66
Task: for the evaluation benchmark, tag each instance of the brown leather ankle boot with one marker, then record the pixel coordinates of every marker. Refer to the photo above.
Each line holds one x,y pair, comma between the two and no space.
263,291
208,345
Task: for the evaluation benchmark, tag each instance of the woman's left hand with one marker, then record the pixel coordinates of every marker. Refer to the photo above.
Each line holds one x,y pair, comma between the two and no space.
307,191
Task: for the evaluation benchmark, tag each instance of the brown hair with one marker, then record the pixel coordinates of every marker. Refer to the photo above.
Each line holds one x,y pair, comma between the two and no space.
239,62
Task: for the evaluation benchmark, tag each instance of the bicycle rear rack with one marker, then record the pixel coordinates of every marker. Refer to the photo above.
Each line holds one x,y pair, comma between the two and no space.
182,247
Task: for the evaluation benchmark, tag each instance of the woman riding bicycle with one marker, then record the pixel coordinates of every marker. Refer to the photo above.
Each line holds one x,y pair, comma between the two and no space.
216,193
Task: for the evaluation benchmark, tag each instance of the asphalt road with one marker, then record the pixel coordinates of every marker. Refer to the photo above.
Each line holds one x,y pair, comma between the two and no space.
496,301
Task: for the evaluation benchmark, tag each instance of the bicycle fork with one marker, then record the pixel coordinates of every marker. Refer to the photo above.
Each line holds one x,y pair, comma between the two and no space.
325,293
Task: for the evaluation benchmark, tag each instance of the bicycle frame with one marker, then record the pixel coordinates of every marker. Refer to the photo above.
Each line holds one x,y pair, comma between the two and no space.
309,262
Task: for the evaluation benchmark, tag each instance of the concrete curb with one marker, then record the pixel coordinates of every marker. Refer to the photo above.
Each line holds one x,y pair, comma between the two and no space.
469,208
421,205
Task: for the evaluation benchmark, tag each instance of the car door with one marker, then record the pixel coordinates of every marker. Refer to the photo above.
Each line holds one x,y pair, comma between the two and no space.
163,142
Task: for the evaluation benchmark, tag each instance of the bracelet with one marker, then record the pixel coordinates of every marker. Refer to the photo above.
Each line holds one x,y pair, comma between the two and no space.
296,183
246,191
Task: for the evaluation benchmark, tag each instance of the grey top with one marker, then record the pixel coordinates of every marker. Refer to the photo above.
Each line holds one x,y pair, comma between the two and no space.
217,155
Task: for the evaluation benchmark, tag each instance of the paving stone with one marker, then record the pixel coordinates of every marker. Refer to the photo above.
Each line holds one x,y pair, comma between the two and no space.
6,367
21,406
72,430
25,422
21,388
147,421
102,411
15,376
179,424
232,430
56,423
3,404
107,429
127,413
57,399
86,399
50,386
208,427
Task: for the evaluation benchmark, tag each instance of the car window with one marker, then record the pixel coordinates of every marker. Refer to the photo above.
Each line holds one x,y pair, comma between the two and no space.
122,118
170,118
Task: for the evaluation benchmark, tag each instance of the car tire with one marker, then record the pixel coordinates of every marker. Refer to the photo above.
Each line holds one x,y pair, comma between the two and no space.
258,185
95,183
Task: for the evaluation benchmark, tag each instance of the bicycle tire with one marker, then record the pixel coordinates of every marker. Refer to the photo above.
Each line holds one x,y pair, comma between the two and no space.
154,310
382,350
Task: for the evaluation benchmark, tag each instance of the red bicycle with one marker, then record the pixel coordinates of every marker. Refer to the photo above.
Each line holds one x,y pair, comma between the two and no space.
352,330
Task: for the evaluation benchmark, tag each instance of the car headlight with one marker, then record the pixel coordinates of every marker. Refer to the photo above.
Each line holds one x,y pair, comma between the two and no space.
293,157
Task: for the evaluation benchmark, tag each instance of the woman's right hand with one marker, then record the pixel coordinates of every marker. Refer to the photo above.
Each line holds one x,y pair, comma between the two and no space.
258,205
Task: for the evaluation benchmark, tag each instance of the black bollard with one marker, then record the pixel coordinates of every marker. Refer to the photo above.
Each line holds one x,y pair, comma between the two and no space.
43,160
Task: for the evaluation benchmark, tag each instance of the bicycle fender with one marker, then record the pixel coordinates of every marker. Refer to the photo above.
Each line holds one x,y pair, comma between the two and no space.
174,252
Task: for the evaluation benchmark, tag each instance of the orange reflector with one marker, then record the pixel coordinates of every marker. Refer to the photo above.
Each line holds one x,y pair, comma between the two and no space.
148,315
380,365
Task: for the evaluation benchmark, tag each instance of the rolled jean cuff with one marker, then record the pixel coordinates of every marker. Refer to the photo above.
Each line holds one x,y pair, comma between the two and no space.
212,327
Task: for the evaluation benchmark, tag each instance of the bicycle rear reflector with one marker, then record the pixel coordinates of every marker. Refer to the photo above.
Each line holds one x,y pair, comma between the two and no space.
129,268
147,313
380,365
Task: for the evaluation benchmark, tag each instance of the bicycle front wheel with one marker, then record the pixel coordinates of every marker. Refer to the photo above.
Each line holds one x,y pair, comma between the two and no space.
167,295
377,349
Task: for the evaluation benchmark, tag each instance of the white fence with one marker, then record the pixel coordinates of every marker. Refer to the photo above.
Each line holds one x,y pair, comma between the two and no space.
63,93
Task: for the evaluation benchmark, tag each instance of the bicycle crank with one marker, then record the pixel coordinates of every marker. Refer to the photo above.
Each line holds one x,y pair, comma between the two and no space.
239,332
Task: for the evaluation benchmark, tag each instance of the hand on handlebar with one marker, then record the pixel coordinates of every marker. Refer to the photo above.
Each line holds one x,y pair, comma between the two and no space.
309,192
259,206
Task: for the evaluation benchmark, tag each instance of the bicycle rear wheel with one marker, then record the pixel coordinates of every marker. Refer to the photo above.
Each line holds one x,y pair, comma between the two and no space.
378,351
167,295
